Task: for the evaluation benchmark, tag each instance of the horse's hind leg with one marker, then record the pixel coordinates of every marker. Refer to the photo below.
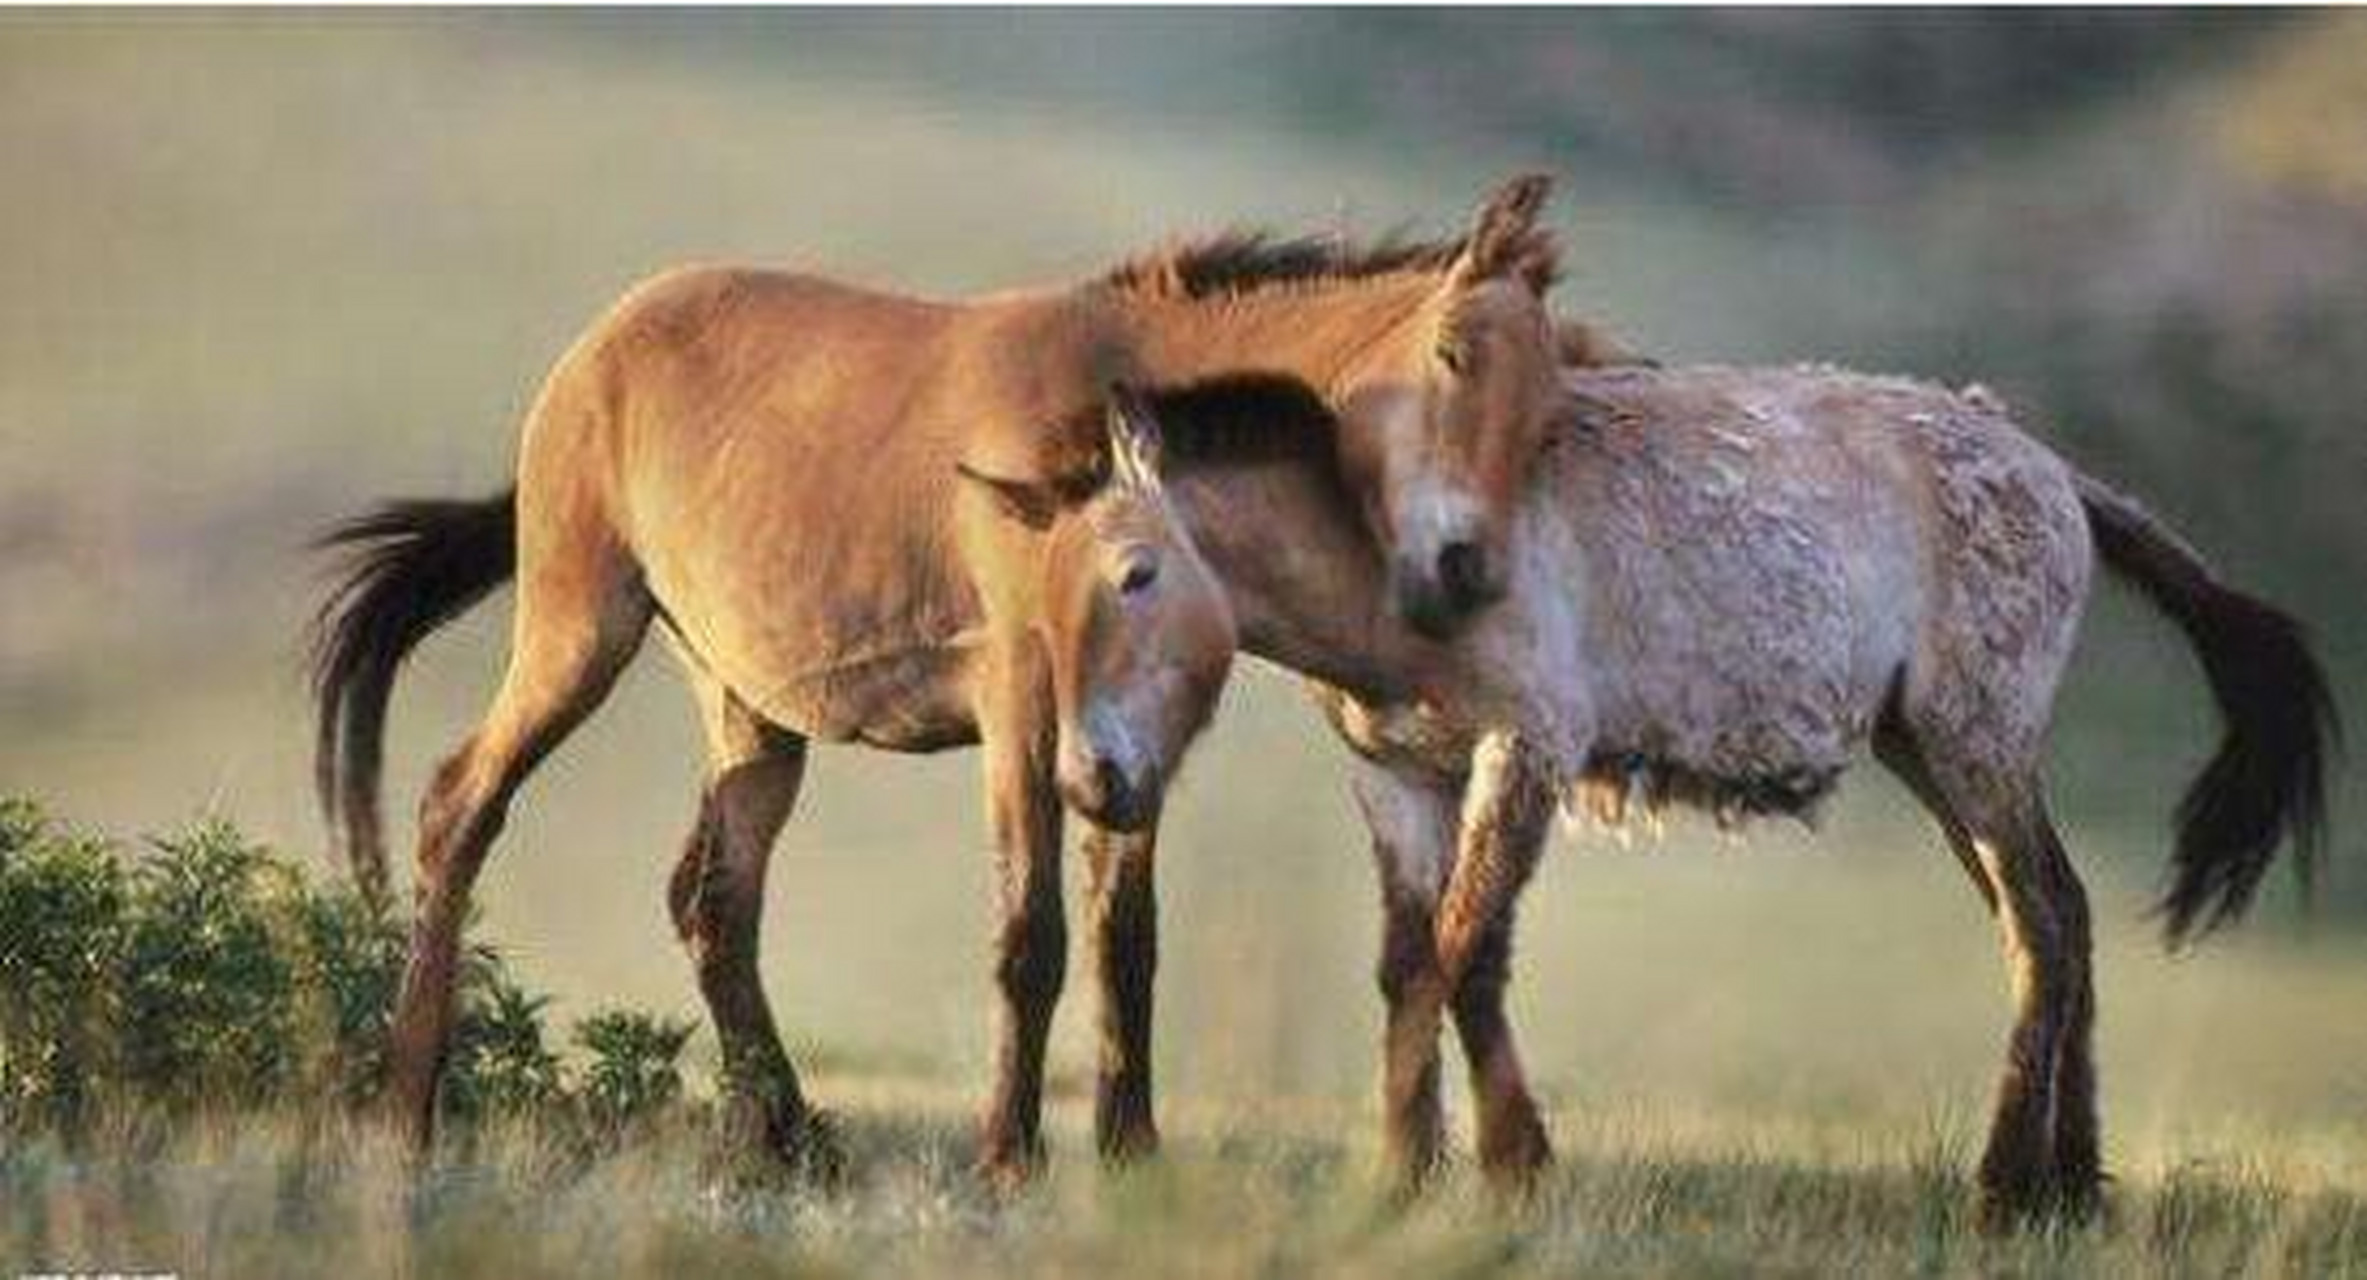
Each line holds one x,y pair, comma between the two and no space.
579,620
2042,1157
2043,1148
2078,1150
716,897
1124,910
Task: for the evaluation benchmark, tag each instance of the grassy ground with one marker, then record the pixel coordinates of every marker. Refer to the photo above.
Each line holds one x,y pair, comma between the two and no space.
1768,1063
1239,1193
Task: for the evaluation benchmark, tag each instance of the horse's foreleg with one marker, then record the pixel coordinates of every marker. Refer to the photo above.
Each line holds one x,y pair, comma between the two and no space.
1412,819
562,664
1125,921
1031,937
1513,1147
1507,818
716,897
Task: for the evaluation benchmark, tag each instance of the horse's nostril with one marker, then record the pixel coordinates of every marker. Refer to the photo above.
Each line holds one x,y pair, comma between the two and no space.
1463,573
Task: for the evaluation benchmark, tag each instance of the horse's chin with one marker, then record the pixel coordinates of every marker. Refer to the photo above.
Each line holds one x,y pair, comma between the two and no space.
1427,613
1436,614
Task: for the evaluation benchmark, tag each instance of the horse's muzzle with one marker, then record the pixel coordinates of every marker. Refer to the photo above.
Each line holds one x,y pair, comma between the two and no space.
1438,598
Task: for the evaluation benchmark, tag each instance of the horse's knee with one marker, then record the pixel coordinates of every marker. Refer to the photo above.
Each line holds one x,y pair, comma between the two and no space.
1486,966
1408,952
1031,961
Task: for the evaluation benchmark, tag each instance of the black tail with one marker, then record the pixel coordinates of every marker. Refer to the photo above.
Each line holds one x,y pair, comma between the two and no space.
2267,782
408,568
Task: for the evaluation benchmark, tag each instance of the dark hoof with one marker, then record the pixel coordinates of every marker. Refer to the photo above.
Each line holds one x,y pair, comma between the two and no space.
1010,1167
2040,1205
1409,1172
1129,1144
1515,1155
2078,1199
800,1148
812,1151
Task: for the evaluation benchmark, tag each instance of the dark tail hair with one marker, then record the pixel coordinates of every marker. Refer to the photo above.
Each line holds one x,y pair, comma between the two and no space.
407,569
2267,782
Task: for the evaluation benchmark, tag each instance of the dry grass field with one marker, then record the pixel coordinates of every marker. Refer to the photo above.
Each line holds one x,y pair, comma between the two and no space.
1261,1191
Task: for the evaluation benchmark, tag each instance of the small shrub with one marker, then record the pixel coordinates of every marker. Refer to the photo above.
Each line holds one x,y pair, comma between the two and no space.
500,1060
635,1067
209,979
63,900
209,971
350,970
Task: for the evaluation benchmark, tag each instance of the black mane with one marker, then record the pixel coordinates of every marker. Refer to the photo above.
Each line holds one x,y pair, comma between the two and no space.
1243,418
1240,261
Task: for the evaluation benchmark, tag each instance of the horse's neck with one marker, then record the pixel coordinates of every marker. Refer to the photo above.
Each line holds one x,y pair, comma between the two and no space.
1311,596
1307,589
1313,330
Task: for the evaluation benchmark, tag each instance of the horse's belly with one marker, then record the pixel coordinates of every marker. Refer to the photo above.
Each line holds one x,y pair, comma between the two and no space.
915,701
839,629
1759,698
1780,754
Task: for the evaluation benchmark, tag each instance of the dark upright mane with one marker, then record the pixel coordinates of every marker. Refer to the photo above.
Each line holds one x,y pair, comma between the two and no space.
1234,262
1243,419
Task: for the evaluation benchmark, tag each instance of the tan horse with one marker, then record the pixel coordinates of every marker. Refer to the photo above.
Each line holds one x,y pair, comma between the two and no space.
768,462
1074,632
1746,577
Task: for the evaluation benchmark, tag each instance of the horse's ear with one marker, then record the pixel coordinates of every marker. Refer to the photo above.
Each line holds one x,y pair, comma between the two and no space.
1031,503
1137,446
1505,241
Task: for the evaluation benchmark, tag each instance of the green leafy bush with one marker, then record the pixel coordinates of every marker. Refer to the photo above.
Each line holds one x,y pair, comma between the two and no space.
501,1061
208,971
635,1068
349,971
204,970
64,899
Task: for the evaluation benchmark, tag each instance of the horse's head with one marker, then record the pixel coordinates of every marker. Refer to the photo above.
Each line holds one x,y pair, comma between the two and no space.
1440,420
1138,633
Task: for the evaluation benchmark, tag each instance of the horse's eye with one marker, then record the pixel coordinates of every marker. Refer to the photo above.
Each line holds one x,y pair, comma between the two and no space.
1454,356
1137,577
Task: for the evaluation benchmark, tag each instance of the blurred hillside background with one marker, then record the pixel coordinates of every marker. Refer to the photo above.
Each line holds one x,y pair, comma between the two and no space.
261,269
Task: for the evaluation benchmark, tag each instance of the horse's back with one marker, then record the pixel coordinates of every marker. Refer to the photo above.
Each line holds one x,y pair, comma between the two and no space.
1769,553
